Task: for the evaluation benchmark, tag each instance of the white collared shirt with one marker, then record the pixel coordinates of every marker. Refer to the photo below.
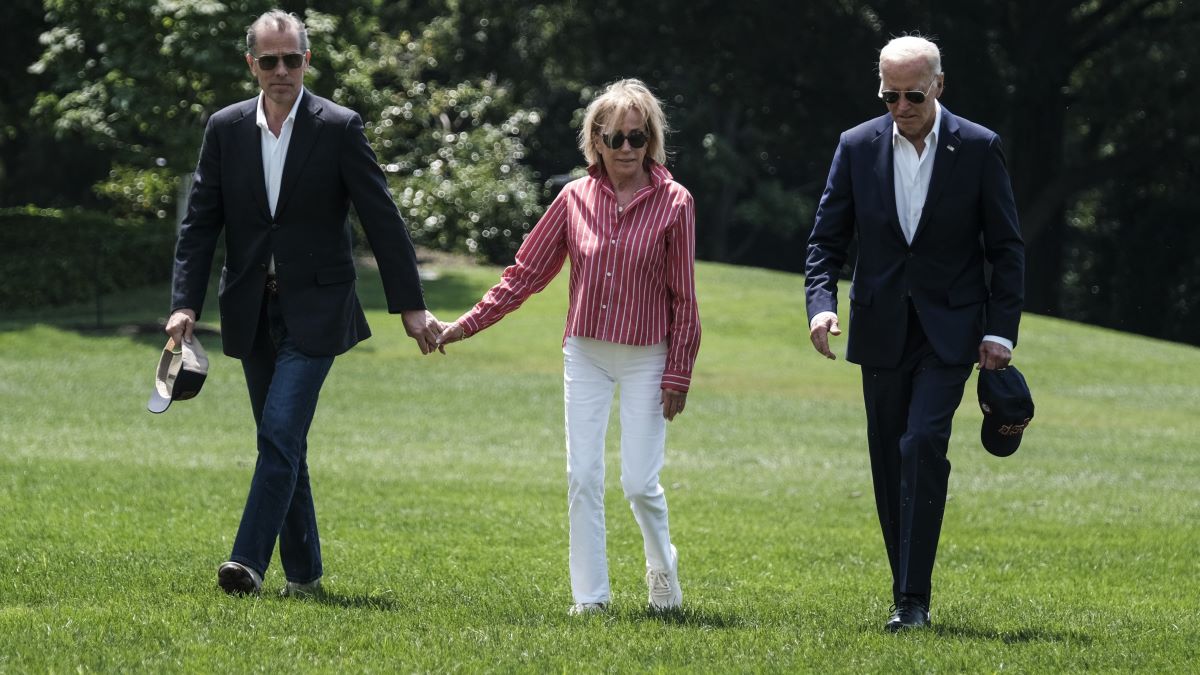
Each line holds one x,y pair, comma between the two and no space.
912,174
274,150
274,153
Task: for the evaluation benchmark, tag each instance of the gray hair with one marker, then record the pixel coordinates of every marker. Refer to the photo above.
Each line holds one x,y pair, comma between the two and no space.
606,112
280,20
909,48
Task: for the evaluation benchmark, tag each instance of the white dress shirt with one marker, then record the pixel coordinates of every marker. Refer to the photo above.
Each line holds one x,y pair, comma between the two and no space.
274,153
912,174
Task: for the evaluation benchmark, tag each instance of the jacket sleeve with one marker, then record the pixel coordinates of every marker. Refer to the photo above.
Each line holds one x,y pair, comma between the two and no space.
201,227
832,231
1003,247
381,220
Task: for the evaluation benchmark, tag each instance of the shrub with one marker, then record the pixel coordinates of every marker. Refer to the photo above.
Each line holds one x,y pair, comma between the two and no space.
55,257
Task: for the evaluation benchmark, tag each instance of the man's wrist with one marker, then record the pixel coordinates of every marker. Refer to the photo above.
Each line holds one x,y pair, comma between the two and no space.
1002,341
819,317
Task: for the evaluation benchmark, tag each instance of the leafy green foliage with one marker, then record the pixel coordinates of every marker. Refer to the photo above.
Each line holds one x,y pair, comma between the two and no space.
138,80
453,153
55,257
1088,96
145,193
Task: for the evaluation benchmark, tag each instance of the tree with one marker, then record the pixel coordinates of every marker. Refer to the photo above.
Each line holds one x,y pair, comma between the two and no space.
137,80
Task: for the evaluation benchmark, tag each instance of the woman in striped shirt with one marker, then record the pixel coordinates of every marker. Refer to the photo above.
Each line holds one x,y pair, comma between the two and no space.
629,231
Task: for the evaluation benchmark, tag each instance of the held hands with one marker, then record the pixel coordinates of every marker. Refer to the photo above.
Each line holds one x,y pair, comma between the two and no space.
820,328
451,332
993,356
423,327
180,325
673,402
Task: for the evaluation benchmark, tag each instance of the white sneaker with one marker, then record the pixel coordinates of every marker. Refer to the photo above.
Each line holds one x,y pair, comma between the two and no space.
665,592
237,579
585,608
311,589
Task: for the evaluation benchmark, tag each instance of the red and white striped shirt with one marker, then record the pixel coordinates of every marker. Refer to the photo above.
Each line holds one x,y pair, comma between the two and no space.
632,269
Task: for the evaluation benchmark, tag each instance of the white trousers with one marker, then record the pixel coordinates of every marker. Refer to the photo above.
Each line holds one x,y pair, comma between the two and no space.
592,370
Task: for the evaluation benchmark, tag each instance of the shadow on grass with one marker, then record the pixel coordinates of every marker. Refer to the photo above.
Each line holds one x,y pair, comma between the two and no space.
377,603
690,617
1017,636
139,314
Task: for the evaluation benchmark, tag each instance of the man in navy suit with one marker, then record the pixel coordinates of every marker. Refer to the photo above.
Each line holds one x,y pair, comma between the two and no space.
929,197
278,173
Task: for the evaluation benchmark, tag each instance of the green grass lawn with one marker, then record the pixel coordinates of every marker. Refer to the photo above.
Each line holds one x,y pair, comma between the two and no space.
440,487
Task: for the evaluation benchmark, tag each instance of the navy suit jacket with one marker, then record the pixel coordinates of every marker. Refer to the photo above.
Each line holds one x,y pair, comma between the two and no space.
329,165
969,217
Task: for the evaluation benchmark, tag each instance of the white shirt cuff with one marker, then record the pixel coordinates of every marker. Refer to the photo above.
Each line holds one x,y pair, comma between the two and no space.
999,340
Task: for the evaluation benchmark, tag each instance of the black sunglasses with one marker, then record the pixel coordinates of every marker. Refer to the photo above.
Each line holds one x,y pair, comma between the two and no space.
271,61
637,139
917,97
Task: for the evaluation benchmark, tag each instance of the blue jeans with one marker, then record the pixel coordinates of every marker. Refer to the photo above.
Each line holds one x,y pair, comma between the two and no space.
284,384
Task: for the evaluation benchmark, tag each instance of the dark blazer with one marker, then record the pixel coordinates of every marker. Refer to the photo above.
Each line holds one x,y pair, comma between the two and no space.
969,216
329,165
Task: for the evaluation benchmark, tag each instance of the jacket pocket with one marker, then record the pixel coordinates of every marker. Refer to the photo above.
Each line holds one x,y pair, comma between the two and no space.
336,275
861,297
967,295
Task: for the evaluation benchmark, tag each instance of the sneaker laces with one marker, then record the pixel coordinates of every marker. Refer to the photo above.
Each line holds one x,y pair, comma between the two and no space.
659,582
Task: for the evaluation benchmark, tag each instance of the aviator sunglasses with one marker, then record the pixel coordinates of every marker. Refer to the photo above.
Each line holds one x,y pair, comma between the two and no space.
916,97
637,139
271,61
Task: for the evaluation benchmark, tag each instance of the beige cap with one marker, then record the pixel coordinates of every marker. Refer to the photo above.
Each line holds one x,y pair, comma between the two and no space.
180,375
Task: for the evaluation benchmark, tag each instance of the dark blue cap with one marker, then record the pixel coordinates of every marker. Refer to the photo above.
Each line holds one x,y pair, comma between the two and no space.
1007,409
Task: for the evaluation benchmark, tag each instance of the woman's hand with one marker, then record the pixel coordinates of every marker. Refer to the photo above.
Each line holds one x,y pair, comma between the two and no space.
453,332
673,403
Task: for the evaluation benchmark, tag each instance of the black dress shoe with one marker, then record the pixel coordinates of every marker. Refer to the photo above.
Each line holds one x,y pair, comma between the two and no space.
908,613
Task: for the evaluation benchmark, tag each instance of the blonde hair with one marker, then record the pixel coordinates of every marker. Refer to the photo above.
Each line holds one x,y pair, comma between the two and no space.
910,48
606,112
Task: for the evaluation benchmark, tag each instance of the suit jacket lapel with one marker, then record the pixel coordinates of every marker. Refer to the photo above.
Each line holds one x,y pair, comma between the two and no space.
304,134
943,166
885,171
250,138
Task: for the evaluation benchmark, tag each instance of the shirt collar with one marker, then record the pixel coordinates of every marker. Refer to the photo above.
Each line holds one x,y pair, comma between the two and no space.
931,138
658,173
261,114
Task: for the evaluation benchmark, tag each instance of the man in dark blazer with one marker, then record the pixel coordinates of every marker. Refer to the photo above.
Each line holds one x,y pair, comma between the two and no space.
929,198
278,173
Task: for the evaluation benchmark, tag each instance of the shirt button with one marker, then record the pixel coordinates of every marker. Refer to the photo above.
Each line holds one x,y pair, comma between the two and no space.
603,306
608,274
614,241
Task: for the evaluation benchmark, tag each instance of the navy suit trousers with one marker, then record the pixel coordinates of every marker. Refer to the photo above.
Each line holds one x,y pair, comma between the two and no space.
910,409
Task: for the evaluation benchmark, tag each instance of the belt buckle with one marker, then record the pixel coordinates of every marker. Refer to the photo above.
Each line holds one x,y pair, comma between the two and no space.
272,286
